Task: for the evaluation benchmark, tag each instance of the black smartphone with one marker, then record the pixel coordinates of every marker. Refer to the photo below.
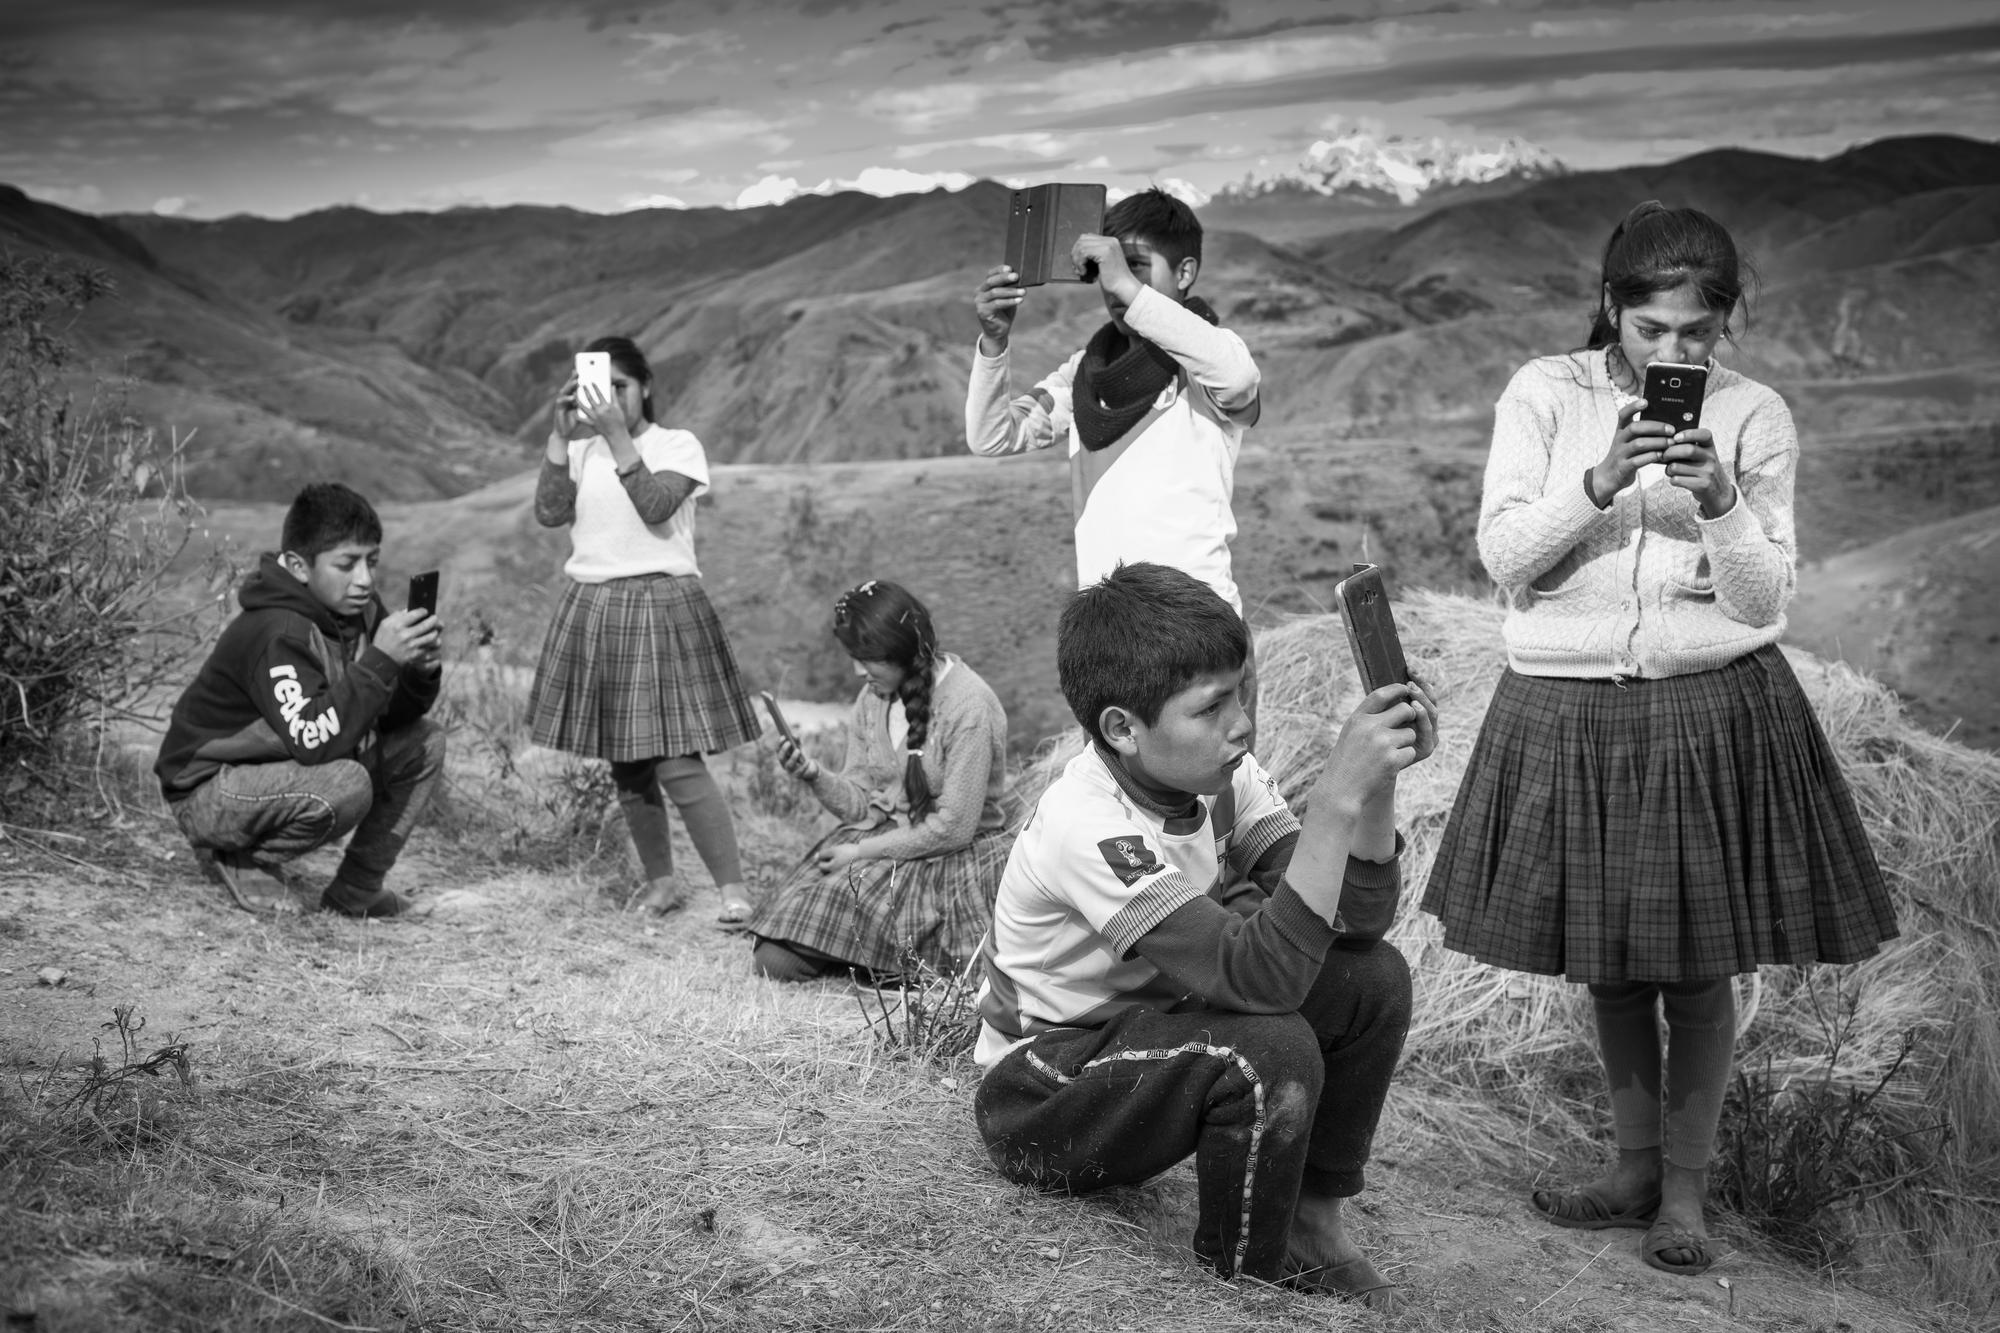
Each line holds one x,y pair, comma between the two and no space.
777,718
1371,629
1043,222
424,592
1673,394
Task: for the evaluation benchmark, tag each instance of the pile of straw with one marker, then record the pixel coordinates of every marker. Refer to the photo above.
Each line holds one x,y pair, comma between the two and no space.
1501,1067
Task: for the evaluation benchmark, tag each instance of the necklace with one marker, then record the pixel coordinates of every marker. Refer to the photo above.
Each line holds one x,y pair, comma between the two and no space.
1619,370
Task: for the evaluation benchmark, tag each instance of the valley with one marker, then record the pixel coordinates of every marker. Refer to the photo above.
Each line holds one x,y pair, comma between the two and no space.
819,349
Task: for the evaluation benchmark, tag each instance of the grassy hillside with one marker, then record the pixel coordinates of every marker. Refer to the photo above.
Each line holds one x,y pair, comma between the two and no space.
533,1112
407,348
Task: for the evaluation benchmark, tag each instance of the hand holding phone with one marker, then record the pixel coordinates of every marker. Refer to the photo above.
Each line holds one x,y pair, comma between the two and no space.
792,756
1673,394
777,716
423,592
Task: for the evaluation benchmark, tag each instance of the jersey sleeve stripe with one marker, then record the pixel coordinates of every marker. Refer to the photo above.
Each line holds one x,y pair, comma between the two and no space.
1153,904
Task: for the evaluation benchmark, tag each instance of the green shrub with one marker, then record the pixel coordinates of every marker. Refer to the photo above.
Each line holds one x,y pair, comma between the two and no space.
96,516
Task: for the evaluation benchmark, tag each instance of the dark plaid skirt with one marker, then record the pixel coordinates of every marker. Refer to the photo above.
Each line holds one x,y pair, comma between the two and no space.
1682,829
875,914
638,668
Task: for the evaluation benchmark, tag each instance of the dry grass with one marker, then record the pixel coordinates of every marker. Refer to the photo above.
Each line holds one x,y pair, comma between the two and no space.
1500,1061
535,1112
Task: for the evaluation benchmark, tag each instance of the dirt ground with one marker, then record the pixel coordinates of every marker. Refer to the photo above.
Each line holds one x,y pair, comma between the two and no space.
546,1114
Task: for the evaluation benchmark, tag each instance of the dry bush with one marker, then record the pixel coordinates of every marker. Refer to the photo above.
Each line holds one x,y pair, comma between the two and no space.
94,619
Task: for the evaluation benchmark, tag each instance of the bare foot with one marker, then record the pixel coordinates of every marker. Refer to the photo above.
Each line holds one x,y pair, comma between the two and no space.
1321,1256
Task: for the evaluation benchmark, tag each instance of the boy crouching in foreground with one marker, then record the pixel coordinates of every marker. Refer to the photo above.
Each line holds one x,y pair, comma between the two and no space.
1136,1009
307,720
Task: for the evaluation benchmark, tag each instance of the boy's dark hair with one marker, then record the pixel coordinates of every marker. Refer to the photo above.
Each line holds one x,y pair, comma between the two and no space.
1160,220
626,356
1656,249
324,515
1139,636
884,622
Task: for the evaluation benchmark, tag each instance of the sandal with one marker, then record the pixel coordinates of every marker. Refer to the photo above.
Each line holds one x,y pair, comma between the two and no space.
1664,1236
1354,1279
1586,1209
737,909
251,887
660,897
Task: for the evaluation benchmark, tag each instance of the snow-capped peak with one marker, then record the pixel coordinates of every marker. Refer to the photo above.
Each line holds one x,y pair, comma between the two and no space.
1405,167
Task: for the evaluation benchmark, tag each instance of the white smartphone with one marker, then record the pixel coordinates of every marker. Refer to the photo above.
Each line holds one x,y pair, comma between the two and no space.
593,369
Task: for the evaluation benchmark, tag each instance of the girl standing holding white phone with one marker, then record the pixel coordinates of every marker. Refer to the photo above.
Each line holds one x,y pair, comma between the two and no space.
635,668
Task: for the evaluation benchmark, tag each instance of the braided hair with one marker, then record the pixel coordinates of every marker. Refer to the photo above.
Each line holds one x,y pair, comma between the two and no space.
884,622
1656,249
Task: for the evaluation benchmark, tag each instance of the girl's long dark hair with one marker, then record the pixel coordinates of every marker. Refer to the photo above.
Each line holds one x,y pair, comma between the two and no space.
884,622
625,355
1656,249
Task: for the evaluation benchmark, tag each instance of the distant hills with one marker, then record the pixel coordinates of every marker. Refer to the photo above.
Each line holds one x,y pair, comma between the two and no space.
420,350
415,355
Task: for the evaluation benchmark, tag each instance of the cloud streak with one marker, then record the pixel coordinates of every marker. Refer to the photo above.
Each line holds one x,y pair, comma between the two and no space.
280,105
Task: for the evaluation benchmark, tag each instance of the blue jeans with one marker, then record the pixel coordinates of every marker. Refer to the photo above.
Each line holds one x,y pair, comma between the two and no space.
275,812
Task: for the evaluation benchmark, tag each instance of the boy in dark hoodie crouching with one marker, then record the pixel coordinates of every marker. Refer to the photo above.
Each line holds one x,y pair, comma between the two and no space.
307,720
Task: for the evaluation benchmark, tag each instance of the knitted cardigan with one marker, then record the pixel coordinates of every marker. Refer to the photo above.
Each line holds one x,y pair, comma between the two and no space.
1646,587
965,758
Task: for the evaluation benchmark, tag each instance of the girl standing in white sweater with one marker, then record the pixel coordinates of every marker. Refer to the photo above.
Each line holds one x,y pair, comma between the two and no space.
1651,807
636,668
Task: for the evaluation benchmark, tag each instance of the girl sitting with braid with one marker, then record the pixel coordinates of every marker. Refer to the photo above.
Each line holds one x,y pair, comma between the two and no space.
910,873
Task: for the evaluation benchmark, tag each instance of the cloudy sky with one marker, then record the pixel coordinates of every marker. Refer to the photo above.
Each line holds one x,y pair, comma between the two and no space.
275,107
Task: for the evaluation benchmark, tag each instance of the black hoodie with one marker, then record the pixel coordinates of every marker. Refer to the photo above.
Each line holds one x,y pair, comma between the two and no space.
289,679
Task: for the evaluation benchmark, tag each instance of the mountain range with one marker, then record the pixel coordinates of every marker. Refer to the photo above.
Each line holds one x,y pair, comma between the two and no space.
1398,168
417,353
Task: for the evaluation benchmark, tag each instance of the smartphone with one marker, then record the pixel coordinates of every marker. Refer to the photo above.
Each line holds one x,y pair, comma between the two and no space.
592,369
424,592
777,717
1673,394
1371,629
1043,222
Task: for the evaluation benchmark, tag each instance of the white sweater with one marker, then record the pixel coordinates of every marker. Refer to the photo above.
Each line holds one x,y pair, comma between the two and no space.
1162,493
1646,587
608,539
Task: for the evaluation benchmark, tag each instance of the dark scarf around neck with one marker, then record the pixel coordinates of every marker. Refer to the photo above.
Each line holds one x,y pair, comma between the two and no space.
1115,389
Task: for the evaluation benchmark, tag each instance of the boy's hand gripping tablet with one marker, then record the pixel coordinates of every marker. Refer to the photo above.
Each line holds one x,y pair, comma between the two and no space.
1043,222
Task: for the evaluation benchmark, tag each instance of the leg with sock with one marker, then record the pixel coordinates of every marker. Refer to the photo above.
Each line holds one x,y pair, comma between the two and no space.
705,811
638,786
1628,1039
1701,1051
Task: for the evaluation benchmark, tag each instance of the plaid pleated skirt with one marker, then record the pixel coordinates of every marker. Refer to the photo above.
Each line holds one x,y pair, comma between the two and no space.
879,914
1680,829
638,668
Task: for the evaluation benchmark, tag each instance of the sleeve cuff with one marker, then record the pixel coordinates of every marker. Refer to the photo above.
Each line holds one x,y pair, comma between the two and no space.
1376,874
1298,923
379,665
1738,525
